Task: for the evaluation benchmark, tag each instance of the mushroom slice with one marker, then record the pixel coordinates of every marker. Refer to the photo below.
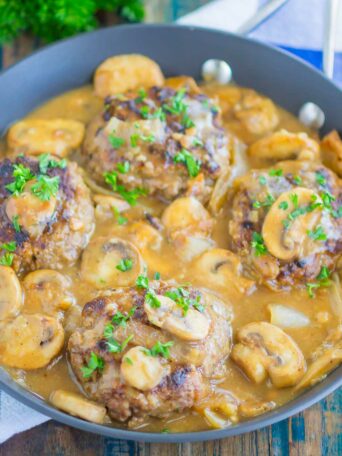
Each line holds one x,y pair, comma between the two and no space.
219,410
264,349
332,152
178,82
111,262
223,269
286,317
141,370
257,113
187,214
47,291
11,297
36,136
30,341
76,405
188,226
32,213
144,236
193,325
291,240
326,358
251,408
107,206
283,145
118,74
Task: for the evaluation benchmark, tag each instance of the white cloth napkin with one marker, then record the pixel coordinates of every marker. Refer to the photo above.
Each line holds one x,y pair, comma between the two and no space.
299,32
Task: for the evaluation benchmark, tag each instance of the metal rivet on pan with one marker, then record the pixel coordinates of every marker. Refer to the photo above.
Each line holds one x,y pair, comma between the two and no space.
311,115
216,70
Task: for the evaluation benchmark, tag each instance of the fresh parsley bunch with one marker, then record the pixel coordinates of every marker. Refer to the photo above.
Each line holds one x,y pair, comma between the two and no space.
51,20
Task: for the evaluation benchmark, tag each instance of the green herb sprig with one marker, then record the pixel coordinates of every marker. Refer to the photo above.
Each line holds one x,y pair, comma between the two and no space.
52,20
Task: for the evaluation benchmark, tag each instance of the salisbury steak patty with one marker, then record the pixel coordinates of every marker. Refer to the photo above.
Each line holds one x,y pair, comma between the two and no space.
46,213
148,351
287,221
162,141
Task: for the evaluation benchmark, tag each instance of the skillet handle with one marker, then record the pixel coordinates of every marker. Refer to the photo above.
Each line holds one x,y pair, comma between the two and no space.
260,16
330,37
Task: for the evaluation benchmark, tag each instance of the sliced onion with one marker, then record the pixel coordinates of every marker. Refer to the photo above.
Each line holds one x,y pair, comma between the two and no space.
336,294
287,317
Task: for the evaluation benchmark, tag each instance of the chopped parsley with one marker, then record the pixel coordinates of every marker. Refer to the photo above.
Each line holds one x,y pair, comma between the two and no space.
275,172
283,205
258,244
160,349
324,273
7,259
141,95
119,218
262,180
131,196
45,187
158,114
151,299
123,167
144,112
128,360
9,246
94,363
120,319
46,162
297,180
193,164
338,212
113,345
125,265
294,199
267,203
115,141
21,175
187,122
327,199
135,137
15,223
320,179
182,298
157,275
323,281
310,287
317,234
178,107
197,142
142,282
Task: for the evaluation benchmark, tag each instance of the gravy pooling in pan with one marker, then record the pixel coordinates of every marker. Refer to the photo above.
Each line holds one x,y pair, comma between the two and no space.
170,252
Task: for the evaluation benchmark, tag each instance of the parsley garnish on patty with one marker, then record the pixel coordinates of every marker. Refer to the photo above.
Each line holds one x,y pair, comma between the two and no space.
94,363
125,265
258,244
45,187
193,164
159,349
131,196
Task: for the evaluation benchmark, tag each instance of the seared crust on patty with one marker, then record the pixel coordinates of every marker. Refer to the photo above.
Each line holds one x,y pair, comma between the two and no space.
254,196
186,369
56,240
154,127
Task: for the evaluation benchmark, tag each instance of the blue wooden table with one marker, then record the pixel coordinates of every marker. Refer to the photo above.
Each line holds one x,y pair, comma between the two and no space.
316,431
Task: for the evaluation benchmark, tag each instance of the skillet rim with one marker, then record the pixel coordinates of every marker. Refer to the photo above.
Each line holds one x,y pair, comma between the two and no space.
304,400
